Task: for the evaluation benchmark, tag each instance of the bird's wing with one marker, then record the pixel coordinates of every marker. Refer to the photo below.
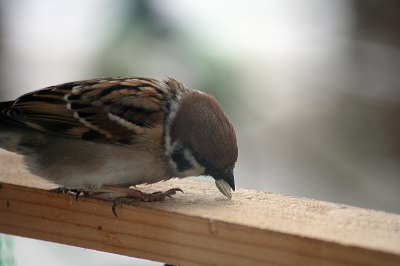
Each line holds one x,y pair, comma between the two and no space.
108,110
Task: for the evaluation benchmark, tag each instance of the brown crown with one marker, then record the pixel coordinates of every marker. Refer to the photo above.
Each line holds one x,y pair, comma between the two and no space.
202,124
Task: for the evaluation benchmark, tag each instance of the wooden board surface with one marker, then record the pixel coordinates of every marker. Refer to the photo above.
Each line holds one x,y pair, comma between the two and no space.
201,226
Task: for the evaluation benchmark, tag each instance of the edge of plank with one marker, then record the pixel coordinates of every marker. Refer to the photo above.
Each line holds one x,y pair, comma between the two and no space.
201,227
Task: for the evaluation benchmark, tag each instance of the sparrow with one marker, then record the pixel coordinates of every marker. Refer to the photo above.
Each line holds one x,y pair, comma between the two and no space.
109,134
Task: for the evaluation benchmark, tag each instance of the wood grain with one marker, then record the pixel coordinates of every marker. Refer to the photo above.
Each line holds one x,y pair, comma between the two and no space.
201,226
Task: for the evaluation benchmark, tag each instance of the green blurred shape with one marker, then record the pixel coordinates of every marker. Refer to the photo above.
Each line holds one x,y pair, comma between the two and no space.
6,250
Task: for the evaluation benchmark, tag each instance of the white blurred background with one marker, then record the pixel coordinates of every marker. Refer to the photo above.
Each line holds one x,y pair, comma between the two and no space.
312,87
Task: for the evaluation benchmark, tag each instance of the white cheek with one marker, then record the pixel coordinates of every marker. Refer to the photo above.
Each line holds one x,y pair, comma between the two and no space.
196,170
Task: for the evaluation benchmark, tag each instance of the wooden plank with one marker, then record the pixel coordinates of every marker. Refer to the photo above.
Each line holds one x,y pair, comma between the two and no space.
200,227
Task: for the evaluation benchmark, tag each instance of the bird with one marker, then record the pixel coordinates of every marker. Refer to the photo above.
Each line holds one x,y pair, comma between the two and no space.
111,134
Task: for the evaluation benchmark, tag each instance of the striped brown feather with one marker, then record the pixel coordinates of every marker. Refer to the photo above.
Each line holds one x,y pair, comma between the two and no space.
102,110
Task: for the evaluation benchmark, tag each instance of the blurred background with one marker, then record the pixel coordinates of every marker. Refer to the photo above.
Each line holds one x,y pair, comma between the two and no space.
312,87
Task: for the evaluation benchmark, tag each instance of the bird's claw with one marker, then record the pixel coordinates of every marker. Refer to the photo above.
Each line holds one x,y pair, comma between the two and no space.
138,195
64,190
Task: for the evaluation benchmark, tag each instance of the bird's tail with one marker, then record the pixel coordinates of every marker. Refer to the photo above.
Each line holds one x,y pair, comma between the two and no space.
5,105
3,109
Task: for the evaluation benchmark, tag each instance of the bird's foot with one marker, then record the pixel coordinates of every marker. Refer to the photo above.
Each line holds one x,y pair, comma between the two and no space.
137,195
64,190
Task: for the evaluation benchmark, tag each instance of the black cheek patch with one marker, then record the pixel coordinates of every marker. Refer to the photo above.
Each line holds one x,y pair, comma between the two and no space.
181,162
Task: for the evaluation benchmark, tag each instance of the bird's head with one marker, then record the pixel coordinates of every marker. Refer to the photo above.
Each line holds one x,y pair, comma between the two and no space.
200,140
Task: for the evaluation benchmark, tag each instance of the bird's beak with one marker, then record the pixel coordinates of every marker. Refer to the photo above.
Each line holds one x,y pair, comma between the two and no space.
225,183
